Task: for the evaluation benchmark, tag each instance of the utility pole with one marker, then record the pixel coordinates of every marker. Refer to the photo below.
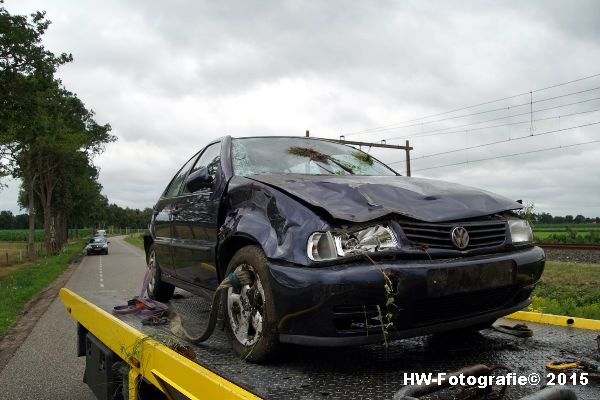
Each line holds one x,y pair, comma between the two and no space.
384,145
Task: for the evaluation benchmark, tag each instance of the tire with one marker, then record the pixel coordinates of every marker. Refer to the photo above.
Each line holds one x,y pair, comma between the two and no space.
106,252
157,289
259,340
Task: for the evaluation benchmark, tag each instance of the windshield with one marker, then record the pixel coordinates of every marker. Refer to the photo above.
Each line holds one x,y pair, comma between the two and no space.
98,240
287,155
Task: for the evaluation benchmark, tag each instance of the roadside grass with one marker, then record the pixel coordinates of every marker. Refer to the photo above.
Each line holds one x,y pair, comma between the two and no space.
571,289
136,239
20,286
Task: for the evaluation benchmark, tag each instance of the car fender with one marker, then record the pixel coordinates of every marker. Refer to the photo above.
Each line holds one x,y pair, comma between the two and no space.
278,223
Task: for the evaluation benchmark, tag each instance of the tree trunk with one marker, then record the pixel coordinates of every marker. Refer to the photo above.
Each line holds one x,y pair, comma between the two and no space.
31,234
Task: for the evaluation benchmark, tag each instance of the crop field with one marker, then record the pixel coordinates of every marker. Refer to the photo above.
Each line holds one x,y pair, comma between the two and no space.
567,233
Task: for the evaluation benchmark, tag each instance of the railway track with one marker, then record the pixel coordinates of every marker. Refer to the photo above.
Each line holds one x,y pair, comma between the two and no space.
569,246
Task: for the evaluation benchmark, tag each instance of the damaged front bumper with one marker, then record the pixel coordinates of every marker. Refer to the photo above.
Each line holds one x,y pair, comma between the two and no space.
344,304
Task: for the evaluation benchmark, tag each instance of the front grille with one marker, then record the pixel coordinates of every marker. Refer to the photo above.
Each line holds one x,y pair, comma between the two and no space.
357,318
438,235
461,305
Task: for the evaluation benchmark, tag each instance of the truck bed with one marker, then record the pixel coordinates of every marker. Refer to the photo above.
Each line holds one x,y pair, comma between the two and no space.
371,371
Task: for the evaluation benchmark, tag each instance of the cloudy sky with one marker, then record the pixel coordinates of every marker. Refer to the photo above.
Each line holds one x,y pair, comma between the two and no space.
171,76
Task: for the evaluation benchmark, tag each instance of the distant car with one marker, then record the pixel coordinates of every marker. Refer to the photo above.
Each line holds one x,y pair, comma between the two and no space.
100,232
97,245
342,250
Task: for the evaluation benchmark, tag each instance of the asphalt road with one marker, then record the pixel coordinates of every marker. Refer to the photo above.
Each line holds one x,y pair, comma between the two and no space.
46,365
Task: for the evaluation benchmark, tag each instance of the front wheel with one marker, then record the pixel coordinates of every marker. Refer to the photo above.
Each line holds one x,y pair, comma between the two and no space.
157,289
250,311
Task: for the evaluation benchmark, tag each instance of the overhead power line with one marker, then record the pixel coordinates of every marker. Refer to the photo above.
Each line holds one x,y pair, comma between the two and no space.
508,155
436,132
529,103
471,106
502,141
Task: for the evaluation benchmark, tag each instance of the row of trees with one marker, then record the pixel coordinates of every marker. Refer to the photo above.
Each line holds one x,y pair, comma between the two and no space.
48,137
104,216
546,218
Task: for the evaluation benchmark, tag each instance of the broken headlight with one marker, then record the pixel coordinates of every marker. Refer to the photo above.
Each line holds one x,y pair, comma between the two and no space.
328,246
520,231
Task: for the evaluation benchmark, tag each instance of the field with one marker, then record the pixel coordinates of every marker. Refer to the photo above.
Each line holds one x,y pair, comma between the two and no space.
137,239
19,286
567,233
568,289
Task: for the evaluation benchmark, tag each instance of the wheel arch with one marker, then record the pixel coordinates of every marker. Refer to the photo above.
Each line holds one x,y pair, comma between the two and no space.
229,247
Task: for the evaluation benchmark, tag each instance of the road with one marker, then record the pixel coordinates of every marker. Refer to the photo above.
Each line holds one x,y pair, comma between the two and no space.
46,366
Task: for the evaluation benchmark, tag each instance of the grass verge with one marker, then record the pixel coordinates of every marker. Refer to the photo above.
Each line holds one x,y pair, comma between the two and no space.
136,239
568,289
17,288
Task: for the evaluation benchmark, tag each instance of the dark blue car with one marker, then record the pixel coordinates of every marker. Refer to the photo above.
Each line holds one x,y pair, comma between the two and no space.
342,249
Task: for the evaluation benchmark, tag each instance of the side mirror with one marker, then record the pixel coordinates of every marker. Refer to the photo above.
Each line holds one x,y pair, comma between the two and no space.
198,180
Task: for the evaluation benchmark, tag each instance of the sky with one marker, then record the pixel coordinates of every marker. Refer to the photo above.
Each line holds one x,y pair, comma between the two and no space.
171,76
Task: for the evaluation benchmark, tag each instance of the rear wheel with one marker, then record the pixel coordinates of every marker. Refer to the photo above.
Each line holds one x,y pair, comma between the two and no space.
157,289
250,312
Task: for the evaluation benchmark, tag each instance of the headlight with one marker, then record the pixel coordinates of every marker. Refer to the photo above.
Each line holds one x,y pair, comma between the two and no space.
520,231
327,246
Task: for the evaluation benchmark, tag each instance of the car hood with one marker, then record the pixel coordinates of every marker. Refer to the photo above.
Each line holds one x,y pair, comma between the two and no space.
363,198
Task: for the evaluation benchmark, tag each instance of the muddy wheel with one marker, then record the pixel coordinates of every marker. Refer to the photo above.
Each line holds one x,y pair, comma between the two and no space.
157,289
249,311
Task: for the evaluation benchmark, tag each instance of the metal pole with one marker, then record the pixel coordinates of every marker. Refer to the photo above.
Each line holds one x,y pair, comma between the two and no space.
407,149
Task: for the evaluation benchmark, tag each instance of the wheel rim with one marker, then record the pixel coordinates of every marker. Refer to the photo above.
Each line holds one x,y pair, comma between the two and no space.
152,271
245,308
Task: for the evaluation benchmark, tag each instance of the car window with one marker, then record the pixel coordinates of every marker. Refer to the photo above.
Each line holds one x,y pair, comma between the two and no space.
177,181
286,155
98,240
210,158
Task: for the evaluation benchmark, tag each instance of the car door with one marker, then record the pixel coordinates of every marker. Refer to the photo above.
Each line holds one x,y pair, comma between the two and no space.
162,220
195,218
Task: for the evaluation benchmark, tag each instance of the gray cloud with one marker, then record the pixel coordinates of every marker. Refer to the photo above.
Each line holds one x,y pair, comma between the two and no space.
171,77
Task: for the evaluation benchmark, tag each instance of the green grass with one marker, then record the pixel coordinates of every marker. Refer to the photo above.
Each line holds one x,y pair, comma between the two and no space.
137,239
563,227
568,289
20,286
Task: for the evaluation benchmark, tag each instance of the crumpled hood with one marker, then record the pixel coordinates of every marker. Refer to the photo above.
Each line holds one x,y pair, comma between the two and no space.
363,198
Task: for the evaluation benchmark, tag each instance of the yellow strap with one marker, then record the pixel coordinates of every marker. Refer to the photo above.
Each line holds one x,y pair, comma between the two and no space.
564,365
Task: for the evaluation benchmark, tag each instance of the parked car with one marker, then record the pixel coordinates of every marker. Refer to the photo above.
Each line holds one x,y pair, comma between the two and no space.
97,245
342,249
100,232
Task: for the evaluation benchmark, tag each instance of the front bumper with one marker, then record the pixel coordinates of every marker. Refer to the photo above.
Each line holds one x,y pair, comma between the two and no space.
97,250
341,305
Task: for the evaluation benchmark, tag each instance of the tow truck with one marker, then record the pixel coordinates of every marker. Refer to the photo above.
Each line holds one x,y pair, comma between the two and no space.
126,359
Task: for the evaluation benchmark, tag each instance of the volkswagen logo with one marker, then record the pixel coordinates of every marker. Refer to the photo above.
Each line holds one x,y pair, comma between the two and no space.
460,237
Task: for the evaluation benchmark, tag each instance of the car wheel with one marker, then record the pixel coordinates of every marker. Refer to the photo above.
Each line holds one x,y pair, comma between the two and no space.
157,289
106,252
250,311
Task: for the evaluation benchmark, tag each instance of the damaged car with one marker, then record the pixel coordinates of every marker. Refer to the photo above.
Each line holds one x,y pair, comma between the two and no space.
342,250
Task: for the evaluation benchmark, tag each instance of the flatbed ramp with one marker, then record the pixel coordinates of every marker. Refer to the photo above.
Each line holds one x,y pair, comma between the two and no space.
364,372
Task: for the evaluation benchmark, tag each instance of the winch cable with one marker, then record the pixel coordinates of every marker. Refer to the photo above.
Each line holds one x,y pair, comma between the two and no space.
234,280
155,310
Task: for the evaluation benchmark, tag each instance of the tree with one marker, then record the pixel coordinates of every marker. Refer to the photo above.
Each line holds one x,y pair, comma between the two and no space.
44,128
26,70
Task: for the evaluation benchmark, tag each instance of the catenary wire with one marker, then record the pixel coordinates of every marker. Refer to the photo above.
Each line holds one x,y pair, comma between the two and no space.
508,155
437,132
375,130
500,141
474,105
